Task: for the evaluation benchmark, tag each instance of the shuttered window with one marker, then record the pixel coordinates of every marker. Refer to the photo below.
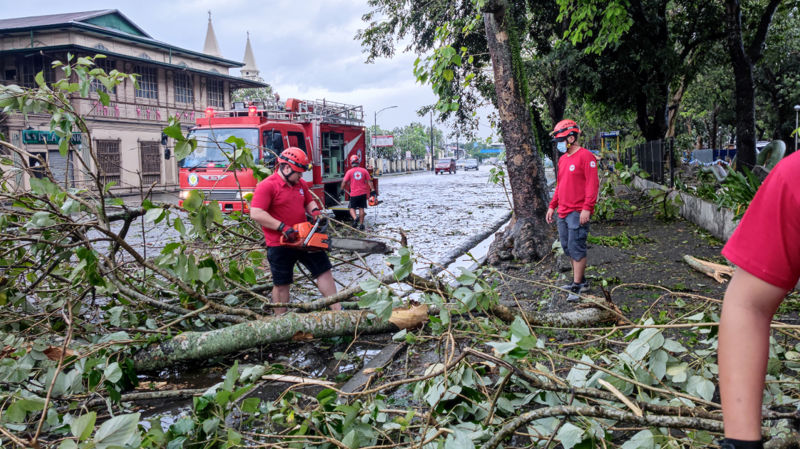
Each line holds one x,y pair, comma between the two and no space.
151,162
108,156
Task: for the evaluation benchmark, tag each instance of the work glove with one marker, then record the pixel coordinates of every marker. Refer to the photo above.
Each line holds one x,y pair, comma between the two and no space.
289,234
315,213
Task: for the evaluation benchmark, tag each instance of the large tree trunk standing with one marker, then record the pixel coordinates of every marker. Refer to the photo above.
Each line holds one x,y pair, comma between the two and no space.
742,61
528,237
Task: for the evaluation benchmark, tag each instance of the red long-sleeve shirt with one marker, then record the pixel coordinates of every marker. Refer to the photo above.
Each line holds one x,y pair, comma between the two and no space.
578,183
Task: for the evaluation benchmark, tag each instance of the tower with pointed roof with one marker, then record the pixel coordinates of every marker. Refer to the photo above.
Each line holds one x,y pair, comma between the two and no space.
211,47
250,70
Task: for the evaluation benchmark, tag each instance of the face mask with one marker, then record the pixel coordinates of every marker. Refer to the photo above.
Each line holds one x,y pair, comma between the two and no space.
562,146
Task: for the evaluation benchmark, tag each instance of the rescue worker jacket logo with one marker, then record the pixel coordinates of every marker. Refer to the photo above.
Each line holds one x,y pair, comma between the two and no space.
357,176
592,164
572,167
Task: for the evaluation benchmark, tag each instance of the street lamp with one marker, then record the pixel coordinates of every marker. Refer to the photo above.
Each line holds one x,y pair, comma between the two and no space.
375,127
796,111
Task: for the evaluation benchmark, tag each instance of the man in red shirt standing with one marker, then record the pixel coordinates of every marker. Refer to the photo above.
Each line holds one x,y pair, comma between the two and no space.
360,185
279,202
766,251
575,196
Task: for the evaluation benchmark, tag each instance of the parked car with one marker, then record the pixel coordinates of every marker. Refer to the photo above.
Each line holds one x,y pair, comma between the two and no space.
471,164
460,163
445,165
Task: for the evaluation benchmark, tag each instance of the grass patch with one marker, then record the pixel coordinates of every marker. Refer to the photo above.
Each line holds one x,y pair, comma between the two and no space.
621,240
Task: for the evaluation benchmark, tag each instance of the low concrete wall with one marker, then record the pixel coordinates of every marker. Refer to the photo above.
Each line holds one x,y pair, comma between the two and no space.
384,166
718,221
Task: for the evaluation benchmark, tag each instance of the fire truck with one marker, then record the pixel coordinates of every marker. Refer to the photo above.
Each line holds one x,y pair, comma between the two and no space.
330,133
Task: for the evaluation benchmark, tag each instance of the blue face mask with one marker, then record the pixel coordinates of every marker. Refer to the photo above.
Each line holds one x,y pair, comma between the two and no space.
562,146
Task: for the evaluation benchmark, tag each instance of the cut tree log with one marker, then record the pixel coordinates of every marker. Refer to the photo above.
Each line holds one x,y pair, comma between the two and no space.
194,346
711,269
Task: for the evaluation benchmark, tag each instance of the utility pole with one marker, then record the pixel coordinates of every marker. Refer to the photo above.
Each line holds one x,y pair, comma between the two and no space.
432,159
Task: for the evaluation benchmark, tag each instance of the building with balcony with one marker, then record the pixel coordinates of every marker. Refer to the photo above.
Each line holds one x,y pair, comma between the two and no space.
126,134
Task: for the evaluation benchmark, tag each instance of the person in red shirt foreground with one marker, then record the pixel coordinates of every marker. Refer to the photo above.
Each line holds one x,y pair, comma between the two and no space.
576,193
360,185
279,202
766,251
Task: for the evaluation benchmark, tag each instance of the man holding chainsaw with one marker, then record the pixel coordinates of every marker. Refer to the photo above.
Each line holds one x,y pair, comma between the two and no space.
360,184
279,202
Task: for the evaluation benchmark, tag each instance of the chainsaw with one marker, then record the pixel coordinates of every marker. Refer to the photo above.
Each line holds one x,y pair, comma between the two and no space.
312,237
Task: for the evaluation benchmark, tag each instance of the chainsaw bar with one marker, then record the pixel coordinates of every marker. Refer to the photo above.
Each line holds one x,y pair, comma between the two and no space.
363,246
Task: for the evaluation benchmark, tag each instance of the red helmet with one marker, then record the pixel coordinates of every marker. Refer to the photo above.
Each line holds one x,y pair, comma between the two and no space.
296,158
564,129
354,159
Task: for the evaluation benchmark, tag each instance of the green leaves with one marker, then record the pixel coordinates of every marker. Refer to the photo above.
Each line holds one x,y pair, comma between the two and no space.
117,431
401,263
20,408
183,146
82,427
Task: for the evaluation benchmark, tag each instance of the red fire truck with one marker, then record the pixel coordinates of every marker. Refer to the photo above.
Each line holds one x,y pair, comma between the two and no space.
330,133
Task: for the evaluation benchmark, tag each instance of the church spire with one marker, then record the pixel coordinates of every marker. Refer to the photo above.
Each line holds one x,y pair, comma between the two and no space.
211,46
250,70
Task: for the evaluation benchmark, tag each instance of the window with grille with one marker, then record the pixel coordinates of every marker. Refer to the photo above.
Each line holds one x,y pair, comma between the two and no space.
108,156
216,93
107,65
30,66
151,162
184,88
148,82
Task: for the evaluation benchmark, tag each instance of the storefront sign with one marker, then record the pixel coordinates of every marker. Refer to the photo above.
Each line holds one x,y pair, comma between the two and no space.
36,137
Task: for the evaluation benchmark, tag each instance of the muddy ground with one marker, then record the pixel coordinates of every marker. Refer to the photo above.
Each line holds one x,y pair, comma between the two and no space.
636,258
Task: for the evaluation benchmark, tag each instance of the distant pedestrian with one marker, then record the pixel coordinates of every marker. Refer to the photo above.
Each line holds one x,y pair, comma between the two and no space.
575,195
766,251
360,184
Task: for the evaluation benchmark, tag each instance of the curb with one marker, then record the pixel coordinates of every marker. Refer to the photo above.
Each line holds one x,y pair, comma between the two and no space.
714,219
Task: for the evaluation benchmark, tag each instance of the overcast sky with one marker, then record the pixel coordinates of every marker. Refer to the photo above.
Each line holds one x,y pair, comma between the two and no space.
303,48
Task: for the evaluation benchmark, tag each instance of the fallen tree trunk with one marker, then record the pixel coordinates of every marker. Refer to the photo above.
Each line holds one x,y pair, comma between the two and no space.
584,317
714,270
194,346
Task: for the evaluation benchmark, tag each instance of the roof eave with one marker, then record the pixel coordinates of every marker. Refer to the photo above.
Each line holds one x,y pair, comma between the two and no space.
106,32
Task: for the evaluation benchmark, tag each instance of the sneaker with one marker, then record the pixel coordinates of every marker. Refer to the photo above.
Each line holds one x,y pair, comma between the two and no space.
584,286
574,293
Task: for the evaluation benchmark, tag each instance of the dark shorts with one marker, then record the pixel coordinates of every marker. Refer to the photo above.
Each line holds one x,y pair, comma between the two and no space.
573,235
358,202
282,260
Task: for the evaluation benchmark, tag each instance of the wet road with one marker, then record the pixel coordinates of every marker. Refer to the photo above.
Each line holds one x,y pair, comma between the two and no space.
437,212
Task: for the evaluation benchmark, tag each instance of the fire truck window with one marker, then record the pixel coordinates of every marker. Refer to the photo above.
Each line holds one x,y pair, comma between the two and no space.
213,148
273,142
297,139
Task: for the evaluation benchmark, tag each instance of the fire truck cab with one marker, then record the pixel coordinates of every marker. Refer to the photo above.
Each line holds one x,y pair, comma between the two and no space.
330,133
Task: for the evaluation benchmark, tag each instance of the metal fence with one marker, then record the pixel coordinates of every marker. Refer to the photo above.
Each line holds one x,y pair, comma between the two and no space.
656,157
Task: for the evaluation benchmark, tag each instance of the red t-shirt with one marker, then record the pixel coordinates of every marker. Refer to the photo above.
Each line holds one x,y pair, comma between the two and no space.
283,202
766,243
578,183
358,177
